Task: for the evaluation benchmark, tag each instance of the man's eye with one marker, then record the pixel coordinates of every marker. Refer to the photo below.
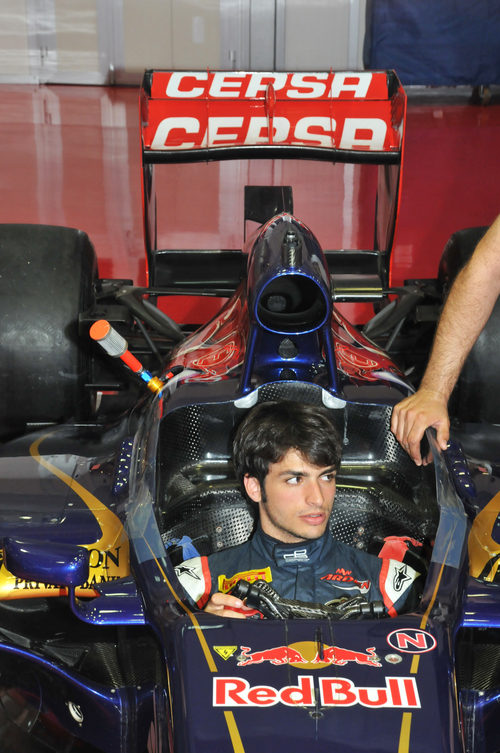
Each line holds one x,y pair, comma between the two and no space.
294,480
328,477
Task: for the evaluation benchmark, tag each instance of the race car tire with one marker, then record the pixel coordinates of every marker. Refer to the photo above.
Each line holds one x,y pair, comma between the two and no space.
47,276
476,397
456,254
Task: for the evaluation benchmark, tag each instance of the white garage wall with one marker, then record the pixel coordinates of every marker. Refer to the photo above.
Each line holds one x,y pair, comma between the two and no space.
52,41
113,41
14,50
169,34
318,35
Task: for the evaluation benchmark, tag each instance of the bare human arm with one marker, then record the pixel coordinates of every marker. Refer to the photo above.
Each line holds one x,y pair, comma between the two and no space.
466,311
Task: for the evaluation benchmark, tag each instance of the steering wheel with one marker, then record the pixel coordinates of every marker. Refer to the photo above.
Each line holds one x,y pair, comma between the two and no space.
261,596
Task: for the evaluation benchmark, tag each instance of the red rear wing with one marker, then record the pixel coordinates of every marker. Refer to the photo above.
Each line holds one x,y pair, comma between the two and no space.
339,116
201,116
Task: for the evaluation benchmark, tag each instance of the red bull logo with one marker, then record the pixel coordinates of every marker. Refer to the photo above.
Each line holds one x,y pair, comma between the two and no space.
398,692
278,655
341,656
306,654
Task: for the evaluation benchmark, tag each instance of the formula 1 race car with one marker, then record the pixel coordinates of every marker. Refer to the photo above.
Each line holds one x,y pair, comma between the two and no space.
116,466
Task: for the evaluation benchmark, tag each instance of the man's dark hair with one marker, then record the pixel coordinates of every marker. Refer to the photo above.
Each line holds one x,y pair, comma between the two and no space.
269,430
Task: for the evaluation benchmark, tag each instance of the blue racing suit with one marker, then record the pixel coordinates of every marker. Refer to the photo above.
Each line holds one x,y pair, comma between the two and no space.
317,570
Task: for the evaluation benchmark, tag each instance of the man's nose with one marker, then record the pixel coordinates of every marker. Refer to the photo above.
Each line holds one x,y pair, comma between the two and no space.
314,493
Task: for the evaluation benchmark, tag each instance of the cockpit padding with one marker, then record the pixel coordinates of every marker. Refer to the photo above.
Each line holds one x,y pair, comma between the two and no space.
380,492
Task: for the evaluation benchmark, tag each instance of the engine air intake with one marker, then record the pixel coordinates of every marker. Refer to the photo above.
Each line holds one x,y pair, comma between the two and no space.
292,303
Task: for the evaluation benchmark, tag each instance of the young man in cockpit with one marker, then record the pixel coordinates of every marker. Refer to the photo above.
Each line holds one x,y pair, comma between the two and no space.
286,456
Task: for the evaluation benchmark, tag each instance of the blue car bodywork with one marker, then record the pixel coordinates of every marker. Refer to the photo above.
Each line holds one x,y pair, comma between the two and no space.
99,649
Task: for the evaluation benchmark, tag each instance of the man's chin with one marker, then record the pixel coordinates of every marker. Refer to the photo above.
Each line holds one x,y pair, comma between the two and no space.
309,533
301,531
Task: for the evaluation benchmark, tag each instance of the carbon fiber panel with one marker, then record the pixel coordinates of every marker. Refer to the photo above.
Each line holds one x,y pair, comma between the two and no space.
380,492
478,659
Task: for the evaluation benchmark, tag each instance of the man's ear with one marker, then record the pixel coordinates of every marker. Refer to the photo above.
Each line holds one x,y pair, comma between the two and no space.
252,487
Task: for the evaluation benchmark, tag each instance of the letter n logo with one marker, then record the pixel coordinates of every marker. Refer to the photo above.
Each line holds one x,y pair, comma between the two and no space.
411,641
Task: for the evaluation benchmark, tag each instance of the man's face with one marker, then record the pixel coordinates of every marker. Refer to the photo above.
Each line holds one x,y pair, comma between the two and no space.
299,498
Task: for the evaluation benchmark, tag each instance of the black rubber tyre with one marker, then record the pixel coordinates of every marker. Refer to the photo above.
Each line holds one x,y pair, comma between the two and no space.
47,276
457,253
476,397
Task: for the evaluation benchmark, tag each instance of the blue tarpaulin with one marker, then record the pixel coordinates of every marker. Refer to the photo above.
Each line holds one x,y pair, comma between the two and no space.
435,42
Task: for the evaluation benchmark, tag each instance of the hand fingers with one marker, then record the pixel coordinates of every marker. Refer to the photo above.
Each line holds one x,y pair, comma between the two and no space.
407,430
428,458
412,447
223,605
222,601
443,434
395,420
230,613
413,415
402,421
417,423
